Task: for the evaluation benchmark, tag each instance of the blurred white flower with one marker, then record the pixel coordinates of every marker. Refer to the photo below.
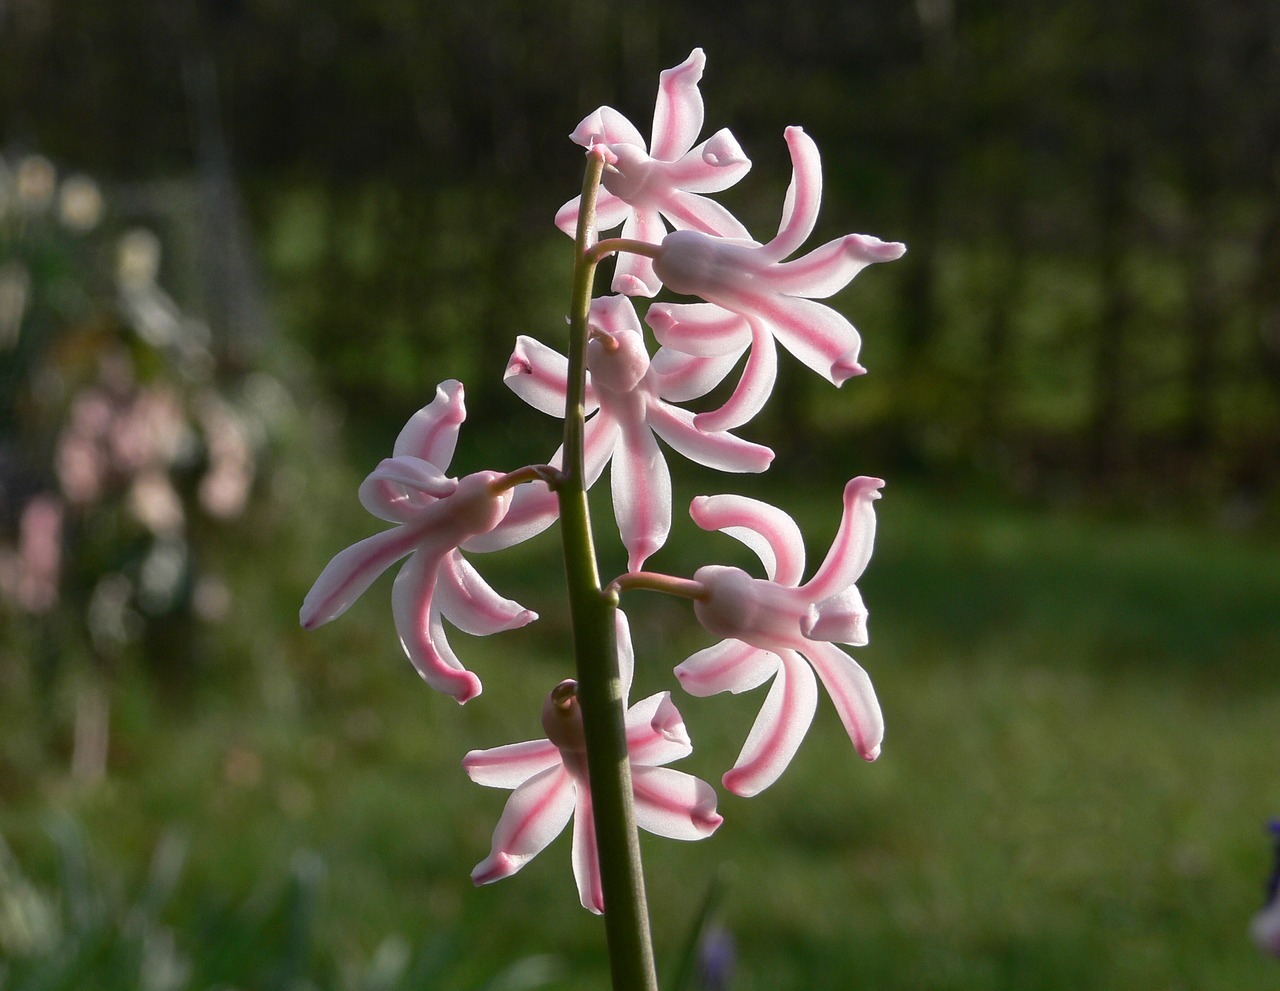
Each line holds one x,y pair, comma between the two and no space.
80,204
35,183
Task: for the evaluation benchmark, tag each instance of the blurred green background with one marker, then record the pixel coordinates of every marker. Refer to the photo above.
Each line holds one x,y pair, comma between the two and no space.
307,214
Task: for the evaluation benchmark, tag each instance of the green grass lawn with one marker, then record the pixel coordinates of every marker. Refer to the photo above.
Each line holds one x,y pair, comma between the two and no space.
1080,758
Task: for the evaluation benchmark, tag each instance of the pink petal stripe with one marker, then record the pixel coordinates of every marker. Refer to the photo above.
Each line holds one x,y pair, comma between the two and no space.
692,212
586,852
512,765
721,451
656,732
634,274
855,699
703,329
535,814
828,269
471,604
840,618
729,666
714,165
673,804
533,508
400,488
610,212
815,333
804,195
779,729
753,388
599,441
679,377
421,632
767,530
678,111
851,549
537,374
432,433
604,125
641,487
351,572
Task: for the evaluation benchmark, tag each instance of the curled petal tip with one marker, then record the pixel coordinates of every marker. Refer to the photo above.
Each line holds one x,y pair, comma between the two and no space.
524,618
871,754
864,485
733,781
844,369
494,868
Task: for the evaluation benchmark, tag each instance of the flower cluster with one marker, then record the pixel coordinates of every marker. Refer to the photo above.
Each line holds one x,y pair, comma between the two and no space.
751,296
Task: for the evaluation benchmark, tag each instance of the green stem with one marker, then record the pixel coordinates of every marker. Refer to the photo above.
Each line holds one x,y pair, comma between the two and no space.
595,649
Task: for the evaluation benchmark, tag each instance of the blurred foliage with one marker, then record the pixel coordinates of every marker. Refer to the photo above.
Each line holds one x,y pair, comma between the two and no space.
1089,191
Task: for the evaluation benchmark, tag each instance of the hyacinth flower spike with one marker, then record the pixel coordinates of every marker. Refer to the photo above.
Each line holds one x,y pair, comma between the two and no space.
549,778
772,627
666,179
631,398
435,516
752,296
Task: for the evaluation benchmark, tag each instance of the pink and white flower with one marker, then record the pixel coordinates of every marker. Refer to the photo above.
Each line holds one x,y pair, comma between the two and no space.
549,778
780,629
753,296
435,516
632,399
643,184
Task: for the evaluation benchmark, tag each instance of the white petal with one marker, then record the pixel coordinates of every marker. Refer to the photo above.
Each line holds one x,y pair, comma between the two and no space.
538,375
634,274
656,732
512,765
641,487
678,111
804,195
626,652
851,549
400,488
432,433
678,377
674,804
767,530
729,666
351,572
779,729
471,604
722,451
753,389
698,328
605,125
534,507
855,699
421,632
828,269
586,853
535,814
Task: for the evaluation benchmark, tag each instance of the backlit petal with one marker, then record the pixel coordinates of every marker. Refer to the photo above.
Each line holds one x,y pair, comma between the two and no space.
634,275
815,333
753,389
538,375
678,377
698,328
721,451
656,732
586,853
804,195
400,488
421,632
678,111
432,433
851,692
512,765
674,804
714,165
729,666
605,125
641,486
535,814
471,604
690,211
830,268
351,572
851,549
779,729
534,507
767,530
841,618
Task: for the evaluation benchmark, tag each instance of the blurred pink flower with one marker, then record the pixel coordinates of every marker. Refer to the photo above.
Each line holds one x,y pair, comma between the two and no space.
753,296
772,627
436,515
30,577
666,180
631,398
549,778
